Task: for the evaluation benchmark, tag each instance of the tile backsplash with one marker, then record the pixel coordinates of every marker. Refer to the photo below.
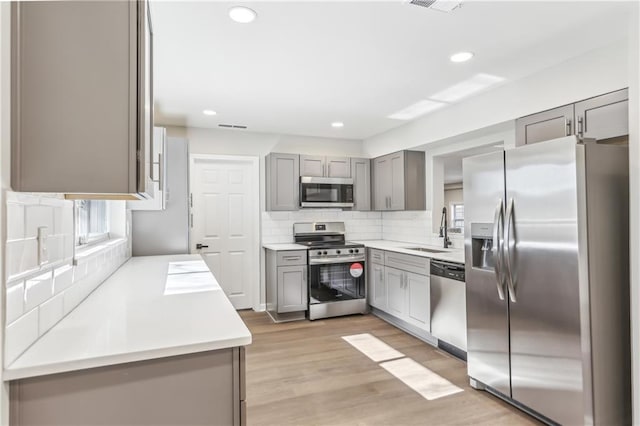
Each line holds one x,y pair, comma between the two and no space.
41,293
408,226
277,227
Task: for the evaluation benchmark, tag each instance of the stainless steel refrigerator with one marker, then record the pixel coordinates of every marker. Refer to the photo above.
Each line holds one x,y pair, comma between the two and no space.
547,268
166,231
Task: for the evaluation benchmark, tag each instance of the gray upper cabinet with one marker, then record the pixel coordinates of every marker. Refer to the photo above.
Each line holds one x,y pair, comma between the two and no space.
552,124
603,117
320,166
361,174
399,181
81,99
283,181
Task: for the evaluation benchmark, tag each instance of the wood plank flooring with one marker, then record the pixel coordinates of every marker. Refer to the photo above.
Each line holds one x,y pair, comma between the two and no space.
304,373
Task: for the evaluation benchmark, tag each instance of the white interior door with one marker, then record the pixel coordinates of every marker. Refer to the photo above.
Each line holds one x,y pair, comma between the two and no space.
225,193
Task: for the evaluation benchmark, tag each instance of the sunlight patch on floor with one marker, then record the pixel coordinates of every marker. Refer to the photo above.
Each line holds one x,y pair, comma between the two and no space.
374,348
419,378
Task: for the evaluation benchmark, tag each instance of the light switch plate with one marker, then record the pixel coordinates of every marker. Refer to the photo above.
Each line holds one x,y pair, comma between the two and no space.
43,253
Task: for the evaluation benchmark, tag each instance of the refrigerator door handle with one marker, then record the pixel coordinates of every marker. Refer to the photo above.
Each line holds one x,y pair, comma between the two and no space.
509,247
498,225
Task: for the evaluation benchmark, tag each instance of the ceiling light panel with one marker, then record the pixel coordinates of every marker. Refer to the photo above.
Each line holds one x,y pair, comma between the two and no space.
337,124
461,57
466,88
209,112
416,110
242,15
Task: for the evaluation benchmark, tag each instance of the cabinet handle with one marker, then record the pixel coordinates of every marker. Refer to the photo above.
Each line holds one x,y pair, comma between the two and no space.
567,124
161,172
329,170
323,169
581,127
291,257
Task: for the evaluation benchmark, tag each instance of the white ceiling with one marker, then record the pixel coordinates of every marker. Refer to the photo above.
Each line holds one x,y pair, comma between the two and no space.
302,65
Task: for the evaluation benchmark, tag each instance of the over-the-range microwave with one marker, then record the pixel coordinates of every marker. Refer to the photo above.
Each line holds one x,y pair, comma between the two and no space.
326,192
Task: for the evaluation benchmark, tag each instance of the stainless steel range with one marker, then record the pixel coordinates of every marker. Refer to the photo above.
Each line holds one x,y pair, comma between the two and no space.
336,270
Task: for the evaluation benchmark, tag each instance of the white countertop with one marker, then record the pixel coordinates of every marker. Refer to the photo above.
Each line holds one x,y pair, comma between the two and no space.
450,255
139,313
285,246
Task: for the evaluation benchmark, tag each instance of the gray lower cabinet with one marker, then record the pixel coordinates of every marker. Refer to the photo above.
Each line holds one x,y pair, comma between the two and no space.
399,181
81,99
194,389
603,117
361,175
377,287
286,284
282,181
399,285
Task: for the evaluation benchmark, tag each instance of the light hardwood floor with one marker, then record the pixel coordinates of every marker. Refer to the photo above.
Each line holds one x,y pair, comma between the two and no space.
304,373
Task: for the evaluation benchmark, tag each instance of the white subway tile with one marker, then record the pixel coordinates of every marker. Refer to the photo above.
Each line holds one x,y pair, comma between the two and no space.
29,258
62,278
67,221
55,248
13,257
15,302
15,221
21,334
37,216
50,313
37,290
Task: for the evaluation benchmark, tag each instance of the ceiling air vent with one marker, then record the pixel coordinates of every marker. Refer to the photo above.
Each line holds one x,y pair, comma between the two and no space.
232,126
441,5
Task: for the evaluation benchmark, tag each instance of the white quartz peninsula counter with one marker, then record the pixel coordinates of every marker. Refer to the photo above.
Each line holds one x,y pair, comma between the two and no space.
159,329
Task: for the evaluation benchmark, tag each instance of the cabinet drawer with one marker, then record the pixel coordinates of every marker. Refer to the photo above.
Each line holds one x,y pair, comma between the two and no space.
290,258
407,262
376,256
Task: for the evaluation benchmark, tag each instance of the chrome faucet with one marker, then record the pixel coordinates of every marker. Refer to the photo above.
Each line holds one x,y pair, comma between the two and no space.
443,228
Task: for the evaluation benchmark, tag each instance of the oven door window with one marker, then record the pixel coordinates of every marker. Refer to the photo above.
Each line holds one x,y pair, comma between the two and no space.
335,282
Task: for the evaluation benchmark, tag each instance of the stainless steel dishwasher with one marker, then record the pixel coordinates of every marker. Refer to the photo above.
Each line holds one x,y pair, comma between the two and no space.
448,307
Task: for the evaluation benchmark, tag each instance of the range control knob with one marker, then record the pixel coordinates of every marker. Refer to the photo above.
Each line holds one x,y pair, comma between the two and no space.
350,250
337,251
319,253
357,251
324,252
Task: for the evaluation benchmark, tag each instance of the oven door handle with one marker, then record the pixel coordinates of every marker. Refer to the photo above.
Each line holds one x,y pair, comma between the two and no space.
341,260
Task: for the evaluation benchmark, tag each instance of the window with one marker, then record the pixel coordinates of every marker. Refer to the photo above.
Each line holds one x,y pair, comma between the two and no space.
92,221
457,215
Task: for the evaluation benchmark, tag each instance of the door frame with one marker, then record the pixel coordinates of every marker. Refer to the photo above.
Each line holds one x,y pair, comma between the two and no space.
254,162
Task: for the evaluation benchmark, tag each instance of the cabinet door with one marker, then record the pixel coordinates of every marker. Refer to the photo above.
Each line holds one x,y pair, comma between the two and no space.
312,165
396,201
284,182
76,98
418,300
377,286
361,174
603,117
339,167
292,288
552,124
396,293
382,183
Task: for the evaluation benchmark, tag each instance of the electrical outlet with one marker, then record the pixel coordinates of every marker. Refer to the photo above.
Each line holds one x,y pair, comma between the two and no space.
43,252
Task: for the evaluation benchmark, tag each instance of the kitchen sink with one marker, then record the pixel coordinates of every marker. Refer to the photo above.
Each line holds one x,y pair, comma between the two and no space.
426,250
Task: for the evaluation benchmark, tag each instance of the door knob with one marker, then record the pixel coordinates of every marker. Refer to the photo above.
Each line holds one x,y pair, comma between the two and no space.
200,246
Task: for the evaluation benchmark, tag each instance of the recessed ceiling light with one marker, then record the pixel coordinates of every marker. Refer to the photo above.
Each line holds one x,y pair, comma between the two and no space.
417,109
209,112
461,57
242,15
467,88
337,124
